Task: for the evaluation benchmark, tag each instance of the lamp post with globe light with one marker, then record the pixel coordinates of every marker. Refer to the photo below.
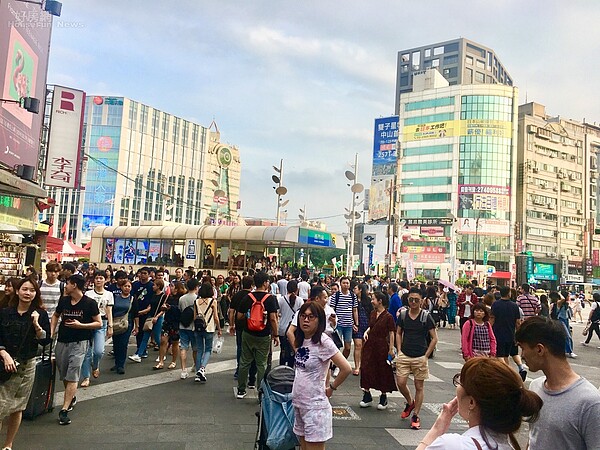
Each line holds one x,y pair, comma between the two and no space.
352,214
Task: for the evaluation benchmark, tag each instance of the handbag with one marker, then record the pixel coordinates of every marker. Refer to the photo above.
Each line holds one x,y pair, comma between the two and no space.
121,323
586,330
337,339
148,324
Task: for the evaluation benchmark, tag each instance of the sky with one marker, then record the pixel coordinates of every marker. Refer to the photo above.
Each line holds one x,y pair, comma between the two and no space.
303,81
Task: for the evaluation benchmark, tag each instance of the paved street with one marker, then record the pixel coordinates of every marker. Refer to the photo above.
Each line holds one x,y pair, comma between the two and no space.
156,410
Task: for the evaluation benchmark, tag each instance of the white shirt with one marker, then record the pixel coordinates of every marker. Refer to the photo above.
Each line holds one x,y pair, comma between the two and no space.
103,299
467,307
455,441
303,290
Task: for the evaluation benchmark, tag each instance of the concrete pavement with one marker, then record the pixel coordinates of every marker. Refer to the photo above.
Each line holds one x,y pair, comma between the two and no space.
156,410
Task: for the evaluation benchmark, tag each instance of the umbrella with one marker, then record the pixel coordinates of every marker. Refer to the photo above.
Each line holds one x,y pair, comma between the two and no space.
69,248
448,285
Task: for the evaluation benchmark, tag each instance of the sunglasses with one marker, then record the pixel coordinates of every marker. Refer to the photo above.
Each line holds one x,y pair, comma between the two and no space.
456,380
414,299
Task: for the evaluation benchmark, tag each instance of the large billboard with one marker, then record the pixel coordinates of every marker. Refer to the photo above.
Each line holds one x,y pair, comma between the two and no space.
385,144
483,197
24,45
64,142
450,128
379,199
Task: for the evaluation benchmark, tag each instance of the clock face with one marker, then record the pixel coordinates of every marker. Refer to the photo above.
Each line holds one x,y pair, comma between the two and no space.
225,156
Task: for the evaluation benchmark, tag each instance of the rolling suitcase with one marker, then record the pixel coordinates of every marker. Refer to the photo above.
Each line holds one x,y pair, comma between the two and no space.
41,400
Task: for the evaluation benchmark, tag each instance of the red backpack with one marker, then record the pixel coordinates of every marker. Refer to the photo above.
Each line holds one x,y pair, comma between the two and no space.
257,315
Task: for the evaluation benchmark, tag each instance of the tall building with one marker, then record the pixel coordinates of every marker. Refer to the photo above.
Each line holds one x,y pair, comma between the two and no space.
456,169
557,202
142,166
460,61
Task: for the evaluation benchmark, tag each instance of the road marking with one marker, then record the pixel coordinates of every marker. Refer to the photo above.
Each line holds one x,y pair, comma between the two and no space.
449,365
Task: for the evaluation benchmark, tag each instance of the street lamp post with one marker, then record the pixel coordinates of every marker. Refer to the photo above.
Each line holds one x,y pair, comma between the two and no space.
280,189
355,188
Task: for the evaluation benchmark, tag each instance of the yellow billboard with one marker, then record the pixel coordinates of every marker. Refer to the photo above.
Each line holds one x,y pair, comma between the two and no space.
450,128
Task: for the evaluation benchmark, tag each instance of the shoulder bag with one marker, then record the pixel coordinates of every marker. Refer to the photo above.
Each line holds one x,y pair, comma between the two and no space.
148,324
121,323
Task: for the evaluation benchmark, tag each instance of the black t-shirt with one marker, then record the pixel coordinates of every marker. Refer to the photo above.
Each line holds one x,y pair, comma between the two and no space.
240,325
505,314
271,306
83,311
414,336
155,301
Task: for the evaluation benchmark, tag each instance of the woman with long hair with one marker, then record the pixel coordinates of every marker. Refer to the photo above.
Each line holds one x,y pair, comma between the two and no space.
364,312
152,325
452,307
560,311
491,397
125,312
170,327
24,325
209,309
10,290
313,422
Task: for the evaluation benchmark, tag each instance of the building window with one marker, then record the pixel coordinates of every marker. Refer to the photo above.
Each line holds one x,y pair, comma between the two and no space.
428,118
437,197
453,47
416,60
438,51
427,53
427,150
423,104
451,72
405,58
452,59
469,60
435,62
431,165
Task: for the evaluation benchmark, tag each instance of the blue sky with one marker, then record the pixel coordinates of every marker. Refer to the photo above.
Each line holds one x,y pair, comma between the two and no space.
304,80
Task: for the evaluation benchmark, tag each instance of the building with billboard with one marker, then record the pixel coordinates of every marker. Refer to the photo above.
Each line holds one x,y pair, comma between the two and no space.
456,168
557,210
144,166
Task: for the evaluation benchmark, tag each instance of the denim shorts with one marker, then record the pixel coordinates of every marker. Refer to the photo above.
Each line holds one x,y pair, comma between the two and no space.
187,339
346,333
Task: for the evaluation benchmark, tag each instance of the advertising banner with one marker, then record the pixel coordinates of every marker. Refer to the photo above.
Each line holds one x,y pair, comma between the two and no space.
483,197
543,271
433,130
596,257
385,144
495,227
64,140
24,45
450,128
379,199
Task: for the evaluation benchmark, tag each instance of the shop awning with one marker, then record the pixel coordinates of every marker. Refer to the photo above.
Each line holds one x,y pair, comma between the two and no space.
500,275
55,245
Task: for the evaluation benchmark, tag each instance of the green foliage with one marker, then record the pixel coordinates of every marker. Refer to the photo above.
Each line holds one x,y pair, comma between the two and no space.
421,278
462,281
318,256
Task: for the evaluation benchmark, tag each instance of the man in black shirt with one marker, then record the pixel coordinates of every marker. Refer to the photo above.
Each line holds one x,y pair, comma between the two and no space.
257,344
236,327
80,316
412,327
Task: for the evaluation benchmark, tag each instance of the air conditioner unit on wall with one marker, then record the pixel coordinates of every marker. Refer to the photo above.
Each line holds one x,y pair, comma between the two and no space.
551,254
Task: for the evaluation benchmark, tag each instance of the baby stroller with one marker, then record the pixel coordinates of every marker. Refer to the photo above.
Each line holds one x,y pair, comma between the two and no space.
276,416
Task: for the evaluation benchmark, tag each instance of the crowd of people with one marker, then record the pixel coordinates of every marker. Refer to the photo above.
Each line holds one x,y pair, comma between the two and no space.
317,322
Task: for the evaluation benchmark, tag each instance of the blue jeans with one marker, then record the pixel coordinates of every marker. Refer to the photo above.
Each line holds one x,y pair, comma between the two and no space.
204,342
94,351
346,333
155,332
569,343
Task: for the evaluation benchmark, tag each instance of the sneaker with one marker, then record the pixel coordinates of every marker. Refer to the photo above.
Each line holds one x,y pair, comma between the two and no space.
63,417
523,374
201,375
252,385
240,394
197,380
72,404
367,400
383,404
336,372
120,371
184,374
585,344
571,355
407,410
145,355
415,423
135,358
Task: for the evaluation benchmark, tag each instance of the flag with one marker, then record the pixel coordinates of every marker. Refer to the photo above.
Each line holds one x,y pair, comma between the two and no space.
63,231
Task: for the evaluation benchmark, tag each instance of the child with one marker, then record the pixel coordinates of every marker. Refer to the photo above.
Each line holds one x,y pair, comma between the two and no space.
478,337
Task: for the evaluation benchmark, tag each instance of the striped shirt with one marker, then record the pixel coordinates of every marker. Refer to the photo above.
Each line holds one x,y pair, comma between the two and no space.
51,294
343,305
529,304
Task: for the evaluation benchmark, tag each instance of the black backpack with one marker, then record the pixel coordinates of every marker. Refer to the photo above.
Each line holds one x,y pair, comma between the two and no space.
187,316
596,313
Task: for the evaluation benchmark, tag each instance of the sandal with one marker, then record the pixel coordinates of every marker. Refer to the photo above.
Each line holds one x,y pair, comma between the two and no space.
355,372
158,366
85,383
96,373
173,365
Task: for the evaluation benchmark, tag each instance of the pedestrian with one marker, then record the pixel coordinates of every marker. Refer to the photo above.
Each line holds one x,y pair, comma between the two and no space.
478,336
493,401
25,325
505,319
289,304
152,325
413,351
236,327
361,291
80,317
187,340
313,418
378,352
257,337
345,305
544,306
570,417
443,305
10,290
395,302
170,328
452,297
51,288
593,323
465,301
560,311
105,301
125,323
529,303
206,308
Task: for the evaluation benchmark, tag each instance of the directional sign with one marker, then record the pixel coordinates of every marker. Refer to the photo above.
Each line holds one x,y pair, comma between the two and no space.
369,239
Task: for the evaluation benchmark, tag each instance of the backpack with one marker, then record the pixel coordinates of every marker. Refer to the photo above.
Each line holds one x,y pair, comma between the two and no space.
423,316
596,313
257,314
187,316
200,322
